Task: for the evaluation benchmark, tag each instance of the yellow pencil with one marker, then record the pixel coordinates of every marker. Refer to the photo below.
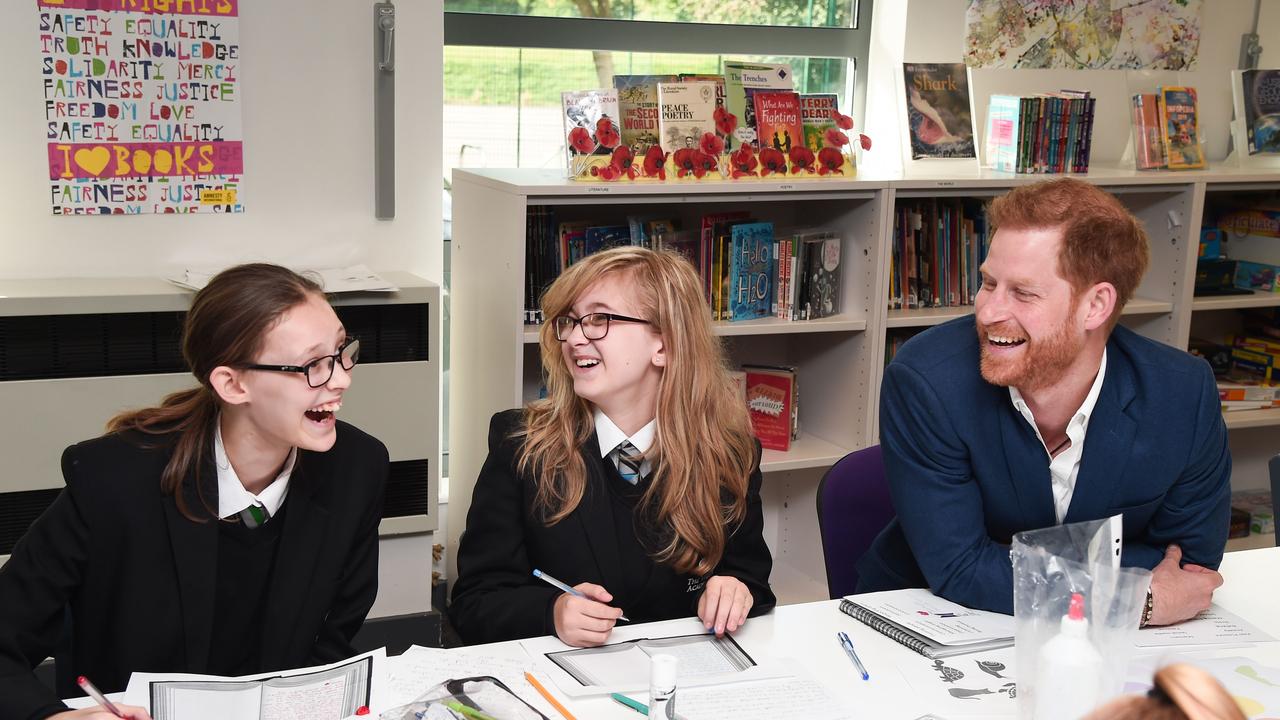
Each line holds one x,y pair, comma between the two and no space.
550,698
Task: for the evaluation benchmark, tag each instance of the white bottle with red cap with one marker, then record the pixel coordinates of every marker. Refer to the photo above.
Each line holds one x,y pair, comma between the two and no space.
662,687
1068,669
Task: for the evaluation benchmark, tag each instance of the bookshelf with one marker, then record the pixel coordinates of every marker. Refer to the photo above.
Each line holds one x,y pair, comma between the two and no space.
497,365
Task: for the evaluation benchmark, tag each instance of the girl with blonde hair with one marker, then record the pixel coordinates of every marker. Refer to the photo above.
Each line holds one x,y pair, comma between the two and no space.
636,479
1179,692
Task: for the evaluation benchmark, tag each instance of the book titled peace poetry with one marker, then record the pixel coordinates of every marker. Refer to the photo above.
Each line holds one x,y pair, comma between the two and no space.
685,112
1180,126
938,115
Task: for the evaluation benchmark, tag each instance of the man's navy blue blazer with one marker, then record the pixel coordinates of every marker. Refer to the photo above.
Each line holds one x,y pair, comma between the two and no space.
966,470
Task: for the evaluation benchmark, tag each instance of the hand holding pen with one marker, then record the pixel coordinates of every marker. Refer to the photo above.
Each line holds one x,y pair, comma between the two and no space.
847,644
105,709
582,616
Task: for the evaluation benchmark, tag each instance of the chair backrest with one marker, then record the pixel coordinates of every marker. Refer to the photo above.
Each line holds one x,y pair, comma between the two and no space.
853,507
1275,491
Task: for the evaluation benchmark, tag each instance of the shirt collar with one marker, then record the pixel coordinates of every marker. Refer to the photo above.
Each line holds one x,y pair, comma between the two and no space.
232,497
1081,416
610,436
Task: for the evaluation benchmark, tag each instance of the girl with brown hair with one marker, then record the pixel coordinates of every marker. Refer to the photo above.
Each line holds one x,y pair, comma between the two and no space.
231,530
636,480
1179,692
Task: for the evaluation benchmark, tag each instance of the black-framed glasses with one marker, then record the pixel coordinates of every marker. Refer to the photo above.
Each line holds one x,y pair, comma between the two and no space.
594,325
319,371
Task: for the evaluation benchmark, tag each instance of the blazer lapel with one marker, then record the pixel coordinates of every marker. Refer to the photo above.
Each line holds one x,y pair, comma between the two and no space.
597,517
301,542
1107,443
1023,449
195,556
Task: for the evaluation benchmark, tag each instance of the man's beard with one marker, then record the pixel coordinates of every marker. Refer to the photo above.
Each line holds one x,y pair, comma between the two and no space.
1042,362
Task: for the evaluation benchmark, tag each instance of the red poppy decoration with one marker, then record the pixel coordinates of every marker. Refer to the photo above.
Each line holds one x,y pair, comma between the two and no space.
772,161
655,162
835,138
623,161
608,172
801,159
685,161
711,144
704,163
607,133
844,122
744,163
864,141
726,121
830,160
580,141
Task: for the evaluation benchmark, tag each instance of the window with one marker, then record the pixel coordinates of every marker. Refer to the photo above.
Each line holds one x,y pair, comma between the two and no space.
794,13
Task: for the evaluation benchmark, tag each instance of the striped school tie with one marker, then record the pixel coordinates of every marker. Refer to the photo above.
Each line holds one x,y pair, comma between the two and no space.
629,461
254,516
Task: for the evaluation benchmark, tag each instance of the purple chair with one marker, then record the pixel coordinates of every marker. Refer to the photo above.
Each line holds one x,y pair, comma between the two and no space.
853,507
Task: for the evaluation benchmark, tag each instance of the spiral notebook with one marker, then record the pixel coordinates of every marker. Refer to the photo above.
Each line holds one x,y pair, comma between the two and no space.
928,624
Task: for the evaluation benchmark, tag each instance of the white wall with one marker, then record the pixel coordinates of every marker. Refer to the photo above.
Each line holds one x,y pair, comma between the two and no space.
933,32
307,99
307,104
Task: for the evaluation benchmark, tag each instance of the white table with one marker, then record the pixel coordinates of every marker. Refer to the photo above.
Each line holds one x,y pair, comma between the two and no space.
806,633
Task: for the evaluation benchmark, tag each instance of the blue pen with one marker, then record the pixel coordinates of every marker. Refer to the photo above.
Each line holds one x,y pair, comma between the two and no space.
552,581
847,644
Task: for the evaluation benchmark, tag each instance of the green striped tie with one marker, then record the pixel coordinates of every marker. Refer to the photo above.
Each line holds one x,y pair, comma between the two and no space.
254,516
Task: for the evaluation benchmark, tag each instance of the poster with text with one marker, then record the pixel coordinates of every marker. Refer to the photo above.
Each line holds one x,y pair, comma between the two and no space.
142,105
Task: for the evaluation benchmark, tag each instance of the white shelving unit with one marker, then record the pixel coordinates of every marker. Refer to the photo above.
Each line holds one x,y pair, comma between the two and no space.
840,359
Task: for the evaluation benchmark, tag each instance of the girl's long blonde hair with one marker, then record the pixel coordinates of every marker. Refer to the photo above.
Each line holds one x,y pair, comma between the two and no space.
704,451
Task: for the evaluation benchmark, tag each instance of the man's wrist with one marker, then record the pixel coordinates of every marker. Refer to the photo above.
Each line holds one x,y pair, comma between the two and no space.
1147,609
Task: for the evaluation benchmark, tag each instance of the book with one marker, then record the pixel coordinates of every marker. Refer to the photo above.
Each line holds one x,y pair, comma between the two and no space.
1179,126
584,109
930,625
717,80
938,116
816,111
1003,114
638,109
751,268
771,405
778,120
822,276
685,112
1148,141
739,78
1262,110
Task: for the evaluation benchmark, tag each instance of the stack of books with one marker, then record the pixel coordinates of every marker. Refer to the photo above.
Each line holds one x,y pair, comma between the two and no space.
1046,133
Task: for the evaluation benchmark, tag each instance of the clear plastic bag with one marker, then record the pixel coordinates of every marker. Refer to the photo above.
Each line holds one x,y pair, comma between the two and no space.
474,698
1051,564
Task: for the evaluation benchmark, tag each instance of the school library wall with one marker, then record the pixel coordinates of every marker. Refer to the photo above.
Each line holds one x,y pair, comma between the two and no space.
307,103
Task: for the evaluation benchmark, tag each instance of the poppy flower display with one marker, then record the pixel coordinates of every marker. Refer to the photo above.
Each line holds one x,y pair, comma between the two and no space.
835,138
801,159
844,122
830,160
743,163
726,122
711,144
623,160
691,162
864,141
607,133
607,172
772,161
580,140
705,163
655,163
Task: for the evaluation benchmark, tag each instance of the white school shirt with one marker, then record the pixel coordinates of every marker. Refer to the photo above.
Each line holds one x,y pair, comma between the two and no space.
610,437
1065,468
232,497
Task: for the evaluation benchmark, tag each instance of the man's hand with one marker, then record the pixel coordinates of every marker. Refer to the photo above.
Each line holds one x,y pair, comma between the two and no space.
585,621
1180,592
724,604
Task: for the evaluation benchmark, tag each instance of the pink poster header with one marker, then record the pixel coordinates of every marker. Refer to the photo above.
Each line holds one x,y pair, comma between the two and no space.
69,161
204,8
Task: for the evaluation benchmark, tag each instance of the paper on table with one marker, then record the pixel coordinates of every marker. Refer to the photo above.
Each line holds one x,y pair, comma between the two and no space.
935,618
419,669
334,280
789,697
1214,626
617,668
318,693
980,683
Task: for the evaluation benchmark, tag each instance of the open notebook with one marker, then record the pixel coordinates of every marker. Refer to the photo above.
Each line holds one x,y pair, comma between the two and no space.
928,624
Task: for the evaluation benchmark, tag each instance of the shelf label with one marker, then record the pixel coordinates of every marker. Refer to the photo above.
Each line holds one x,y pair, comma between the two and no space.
945,183
786,186
598,188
